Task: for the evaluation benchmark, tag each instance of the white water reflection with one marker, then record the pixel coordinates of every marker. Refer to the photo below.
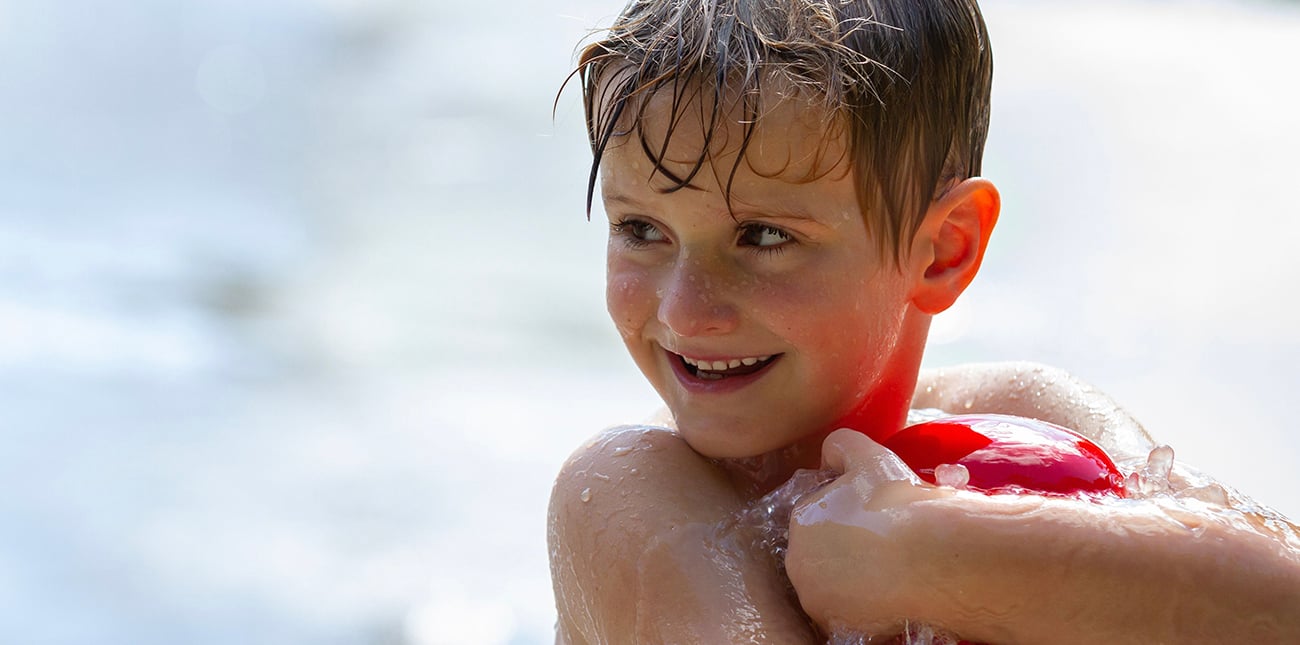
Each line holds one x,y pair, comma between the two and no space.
299,312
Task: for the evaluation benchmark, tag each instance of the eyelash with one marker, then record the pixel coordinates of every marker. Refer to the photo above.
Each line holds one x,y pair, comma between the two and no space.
759,228
633,232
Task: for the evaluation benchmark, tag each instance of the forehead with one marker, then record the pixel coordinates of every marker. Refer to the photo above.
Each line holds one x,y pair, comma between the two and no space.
688,134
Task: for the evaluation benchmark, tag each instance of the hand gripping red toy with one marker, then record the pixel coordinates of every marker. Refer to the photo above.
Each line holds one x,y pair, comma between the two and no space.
1006,454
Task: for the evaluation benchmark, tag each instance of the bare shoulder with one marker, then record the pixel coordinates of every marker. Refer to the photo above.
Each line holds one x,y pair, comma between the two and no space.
630,482
645,548
615,500
625,465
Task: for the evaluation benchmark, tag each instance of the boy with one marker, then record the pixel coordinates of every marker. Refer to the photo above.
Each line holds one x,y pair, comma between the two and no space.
793,192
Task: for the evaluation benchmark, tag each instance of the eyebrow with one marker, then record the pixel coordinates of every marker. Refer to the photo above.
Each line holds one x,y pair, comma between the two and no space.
777,212
622,199
632,201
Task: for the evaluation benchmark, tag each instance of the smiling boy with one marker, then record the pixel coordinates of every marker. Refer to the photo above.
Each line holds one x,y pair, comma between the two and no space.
793,192
775,313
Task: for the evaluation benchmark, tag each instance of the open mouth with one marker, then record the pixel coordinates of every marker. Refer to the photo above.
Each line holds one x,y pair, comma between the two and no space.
718,370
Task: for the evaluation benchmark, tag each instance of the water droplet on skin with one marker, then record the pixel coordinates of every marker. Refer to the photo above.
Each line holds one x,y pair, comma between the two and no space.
913,634
1133,485
585,495
952,475
1153,478
1210,494
1161,460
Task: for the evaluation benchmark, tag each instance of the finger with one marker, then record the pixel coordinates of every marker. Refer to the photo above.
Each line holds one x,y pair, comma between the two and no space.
850,451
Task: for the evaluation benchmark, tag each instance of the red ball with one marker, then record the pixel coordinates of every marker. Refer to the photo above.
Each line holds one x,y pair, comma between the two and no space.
1006,454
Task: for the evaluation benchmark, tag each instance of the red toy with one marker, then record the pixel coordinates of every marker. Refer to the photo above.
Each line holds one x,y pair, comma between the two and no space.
1006,454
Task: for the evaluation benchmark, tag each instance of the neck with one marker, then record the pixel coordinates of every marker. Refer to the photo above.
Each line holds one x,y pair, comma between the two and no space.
884,410
881,413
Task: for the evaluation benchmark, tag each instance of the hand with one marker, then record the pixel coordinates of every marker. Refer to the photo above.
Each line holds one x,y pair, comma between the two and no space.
876,548
849,557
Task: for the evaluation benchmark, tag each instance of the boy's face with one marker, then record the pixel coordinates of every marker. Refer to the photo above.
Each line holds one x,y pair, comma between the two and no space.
786,290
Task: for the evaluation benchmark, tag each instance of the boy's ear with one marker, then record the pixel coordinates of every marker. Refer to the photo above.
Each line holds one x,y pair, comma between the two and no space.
949,245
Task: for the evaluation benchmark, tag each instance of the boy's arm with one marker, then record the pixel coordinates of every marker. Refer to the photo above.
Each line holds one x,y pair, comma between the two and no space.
644,550
877,547
1037,391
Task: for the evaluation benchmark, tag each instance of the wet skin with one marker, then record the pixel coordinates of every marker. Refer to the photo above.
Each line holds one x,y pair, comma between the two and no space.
640,551
1030,569
824,329
787,272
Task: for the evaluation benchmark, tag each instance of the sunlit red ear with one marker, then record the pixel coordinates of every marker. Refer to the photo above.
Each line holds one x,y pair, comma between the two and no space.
950,243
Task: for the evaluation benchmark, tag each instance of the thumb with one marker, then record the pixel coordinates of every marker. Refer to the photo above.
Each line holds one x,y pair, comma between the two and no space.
851,452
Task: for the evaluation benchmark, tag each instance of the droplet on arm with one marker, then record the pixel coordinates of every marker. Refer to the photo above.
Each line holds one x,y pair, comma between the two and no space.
952,475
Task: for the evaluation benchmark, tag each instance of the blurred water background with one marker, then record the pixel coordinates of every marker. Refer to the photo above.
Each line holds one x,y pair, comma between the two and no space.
299,311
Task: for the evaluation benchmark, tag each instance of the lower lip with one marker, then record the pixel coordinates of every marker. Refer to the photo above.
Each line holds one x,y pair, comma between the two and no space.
723,385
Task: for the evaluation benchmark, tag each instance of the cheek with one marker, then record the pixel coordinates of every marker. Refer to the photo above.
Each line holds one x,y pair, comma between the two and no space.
629,297
849,327
816,309
793,307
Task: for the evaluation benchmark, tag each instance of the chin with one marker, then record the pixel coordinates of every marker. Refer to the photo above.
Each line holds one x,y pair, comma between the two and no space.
734,440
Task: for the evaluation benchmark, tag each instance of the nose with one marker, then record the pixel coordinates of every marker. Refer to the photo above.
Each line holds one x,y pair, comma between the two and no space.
694,299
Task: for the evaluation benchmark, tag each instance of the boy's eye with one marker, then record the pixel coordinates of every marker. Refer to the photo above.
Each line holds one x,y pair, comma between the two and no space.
638,231
761,235
645,231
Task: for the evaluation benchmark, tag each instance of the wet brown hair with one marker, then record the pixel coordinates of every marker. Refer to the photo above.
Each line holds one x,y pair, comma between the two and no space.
909,78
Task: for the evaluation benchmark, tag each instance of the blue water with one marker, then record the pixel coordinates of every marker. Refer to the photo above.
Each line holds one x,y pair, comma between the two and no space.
299,312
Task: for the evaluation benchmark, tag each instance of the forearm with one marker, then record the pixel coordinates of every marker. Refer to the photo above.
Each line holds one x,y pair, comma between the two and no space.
1012,570
1083,573
877,548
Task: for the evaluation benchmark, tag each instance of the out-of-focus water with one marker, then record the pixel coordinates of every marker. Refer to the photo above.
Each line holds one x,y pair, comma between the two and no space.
299,312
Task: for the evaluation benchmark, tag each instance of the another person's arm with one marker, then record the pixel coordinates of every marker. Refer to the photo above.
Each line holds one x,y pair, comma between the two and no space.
1037,391
877,548
644,549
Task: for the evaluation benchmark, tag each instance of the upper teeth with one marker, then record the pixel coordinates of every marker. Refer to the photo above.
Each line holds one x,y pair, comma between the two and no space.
721,366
